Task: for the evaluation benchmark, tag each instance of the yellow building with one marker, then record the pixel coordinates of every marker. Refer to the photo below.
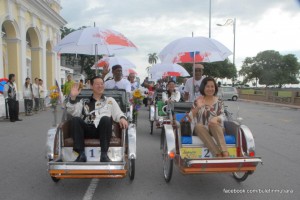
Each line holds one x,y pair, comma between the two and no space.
30,30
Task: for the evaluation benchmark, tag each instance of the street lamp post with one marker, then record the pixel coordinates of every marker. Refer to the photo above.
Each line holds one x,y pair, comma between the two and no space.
233,23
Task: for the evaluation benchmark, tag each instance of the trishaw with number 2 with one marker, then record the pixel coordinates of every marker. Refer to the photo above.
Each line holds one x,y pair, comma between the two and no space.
194,158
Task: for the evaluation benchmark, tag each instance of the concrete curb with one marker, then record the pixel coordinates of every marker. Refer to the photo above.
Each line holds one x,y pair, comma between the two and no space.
271,103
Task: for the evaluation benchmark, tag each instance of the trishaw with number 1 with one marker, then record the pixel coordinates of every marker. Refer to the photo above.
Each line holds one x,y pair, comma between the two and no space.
122,150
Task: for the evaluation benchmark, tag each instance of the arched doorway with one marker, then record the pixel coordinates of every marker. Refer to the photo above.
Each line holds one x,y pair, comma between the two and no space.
10,50
33,53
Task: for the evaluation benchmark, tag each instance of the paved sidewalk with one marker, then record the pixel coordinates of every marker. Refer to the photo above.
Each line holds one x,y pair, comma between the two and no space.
271,103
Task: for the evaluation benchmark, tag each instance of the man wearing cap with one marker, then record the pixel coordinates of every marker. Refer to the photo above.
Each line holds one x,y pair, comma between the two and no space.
192,91
118,82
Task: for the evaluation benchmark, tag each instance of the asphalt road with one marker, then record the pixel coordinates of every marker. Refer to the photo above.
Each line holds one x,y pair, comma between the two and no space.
277,136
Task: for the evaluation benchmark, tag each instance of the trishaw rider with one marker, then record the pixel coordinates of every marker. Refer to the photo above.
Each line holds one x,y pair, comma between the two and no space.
106,110
192,88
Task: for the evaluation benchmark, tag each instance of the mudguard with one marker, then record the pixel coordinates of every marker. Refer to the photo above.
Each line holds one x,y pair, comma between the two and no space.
132,141
50,143
245,131
170,138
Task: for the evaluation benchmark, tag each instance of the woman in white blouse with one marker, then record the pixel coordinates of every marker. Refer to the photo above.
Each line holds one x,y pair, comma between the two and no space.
171,95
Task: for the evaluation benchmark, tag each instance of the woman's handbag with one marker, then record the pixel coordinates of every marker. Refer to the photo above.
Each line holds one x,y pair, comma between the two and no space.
185,126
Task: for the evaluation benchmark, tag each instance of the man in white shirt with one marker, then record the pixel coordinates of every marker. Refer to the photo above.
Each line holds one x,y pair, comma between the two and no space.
192,87
118,82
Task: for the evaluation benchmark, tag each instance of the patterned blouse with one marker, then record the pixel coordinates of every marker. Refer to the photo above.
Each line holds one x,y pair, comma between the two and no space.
206,113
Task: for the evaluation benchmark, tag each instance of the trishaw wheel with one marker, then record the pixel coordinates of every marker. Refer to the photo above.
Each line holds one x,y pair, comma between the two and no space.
131,166
162,138
151,127
55,180
167,163
240,176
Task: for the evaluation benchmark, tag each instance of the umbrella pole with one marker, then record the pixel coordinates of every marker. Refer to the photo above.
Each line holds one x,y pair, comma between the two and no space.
96,60
194,76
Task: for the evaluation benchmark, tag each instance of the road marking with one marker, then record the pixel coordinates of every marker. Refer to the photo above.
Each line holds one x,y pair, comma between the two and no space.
91,189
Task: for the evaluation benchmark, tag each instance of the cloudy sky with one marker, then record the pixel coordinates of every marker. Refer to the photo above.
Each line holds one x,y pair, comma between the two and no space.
151,25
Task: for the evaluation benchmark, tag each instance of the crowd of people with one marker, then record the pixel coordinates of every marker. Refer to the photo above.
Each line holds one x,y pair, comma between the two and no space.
33,94
206,114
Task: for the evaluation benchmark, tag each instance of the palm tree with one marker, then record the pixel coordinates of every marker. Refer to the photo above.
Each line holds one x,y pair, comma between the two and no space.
152,59
148,69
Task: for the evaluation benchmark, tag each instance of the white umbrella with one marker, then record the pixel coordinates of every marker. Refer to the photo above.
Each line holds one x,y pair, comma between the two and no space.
165,68
194,49
116,60
126,64
94,41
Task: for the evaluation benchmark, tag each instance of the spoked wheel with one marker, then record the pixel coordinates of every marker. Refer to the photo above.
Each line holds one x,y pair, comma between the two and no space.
167,163
131,168
151,127
240,176
55,180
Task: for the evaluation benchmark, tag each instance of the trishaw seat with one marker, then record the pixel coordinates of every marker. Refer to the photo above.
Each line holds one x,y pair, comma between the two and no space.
116,139
160,105
114,142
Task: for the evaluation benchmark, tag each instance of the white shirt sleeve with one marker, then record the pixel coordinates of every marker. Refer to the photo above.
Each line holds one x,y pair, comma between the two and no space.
177,96
187,86
164,97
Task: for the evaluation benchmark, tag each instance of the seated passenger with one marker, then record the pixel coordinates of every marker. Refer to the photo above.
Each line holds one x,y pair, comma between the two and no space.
106,110
207,117
171,95
134,85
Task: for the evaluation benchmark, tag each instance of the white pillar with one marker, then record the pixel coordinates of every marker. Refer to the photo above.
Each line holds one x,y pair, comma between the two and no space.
44,51
56,38
23,65
1,61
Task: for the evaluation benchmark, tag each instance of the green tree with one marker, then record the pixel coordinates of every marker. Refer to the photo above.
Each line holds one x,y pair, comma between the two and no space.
250,71
222,69
85,61
152,58
66,31
271,68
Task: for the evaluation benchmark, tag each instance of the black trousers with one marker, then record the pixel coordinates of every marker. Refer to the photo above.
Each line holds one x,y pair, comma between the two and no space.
13,109
28,103
80,130
36,104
